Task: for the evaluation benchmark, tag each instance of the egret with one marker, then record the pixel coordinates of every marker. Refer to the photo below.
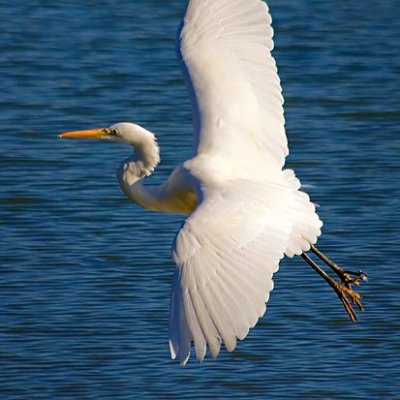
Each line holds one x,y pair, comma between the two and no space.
245,211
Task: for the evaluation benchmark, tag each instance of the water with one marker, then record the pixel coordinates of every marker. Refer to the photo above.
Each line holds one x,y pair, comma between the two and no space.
85,275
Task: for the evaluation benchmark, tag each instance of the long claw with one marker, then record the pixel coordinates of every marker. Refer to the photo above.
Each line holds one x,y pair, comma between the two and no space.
349,309
354,296
353,278
343,293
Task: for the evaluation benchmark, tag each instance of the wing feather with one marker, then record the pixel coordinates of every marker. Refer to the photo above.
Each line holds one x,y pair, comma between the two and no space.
194,325
226,255
222,315
225,50
250,212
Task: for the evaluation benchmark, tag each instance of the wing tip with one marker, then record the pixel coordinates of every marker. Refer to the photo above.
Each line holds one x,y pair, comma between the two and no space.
172,350
184,360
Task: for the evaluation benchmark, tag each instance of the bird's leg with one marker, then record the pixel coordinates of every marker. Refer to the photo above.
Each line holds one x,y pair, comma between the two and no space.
347,277
343,292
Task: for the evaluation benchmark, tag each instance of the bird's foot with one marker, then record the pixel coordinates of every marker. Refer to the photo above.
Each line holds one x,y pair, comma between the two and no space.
349,297
352,278
347,277
343,287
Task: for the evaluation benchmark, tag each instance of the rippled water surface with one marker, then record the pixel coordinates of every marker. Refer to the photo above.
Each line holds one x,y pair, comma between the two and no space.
85,275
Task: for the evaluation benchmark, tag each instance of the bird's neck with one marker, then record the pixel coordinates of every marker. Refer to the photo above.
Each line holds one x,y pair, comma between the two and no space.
140,164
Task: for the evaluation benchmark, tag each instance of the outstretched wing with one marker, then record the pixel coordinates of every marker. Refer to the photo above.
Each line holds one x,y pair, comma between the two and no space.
251,212
226,253
225,49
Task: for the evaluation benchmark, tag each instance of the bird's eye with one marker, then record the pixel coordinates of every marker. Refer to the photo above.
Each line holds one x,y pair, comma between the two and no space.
110,132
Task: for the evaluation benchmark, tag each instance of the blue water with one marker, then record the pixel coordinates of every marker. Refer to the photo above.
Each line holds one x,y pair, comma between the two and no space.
85,275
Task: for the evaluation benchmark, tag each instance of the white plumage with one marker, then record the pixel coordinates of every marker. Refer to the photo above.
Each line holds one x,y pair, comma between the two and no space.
246,213
251,212
225,47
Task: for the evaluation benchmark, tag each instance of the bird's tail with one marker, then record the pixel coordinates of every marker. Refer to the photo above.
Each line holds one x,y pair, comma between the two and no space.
306,223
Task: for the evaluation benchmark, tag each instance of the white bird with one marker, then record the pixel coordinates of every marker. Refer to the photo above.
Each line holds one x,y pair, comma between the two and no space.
245,211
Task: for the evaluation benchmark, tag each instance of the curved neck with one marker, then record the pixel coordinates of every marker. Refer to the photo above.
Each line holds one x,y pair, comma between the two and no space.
140,164
175,195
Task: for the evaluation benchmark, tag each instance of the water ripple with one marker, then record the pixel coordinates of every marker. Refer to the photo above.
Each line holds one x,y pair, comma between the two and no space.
86,276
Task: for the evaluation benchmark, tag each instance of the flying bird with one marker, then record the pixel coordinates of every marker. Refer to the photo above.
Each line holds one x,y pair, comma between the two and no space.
245,210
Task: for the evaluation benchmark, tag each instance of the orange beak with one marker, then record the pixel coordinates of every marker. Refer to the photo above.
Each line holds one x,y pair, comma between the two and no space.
90,134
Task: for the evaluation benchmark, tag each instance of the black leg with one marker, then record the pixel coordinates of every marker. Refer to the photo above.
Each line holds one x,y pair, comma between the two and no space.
347,277
338,287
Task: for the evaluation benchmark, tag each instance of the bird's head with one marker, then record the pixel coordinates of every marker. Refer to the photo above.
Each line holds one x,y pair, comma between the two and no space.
123,132
146,154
